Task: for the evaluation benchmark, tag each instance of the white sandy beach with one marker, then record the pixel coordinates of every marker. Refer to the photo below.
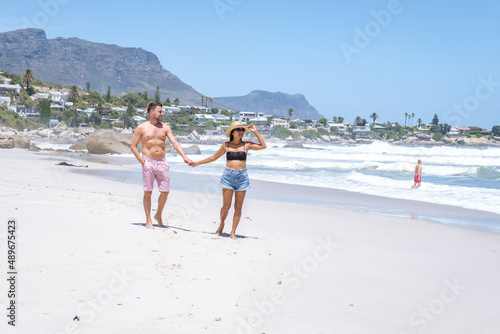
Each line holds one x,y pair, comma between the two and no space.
83,251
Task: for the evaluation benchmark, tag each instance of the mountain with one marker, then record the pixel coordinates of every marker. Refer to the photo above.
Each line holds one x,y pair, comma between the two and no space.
272,104
73,61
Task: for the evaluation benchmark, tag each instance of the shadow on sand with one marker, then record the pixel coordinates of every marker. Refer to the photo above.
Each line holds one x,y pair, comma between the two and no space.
223,235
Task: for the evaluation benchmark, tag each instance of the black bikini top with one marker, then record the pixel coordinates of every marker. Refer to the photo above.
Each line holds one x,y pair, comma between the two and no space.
240,155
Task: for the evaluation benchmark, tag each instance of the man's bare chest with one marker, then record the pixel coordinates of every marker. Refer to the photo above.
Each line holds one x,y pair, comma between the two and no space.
154,133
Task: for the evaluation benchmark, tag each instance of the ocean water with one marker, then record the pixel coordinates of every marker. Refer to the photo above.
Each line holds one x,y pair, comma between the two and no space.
467,177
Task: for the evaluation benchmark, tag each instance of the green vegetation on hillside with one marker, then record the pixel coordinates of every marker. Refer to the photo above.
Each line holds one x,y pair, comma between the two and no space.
184,122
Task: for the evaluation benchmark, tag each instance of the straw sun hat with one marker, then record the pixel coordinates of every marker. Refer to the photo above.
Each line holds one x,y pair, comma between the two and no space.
234,125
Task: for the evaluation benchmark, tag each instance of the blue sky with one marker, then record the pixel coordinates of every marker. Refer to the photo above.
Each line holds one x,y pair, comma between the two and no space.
349,58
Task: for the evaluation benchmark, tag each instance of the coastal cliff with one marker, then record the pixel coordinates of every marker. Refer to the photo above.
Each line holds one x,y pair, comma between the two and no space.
272,104
73,61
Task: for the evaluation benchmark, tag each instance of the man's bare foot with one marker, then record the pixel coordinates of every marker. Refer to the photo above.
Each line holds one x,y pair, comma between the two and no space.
219,230
149,224
233,236
159,220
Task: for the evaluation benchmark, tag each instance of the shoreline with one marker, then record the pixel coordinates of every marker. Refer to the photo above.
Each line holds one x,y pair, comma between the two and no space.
324,197
294,193
309,195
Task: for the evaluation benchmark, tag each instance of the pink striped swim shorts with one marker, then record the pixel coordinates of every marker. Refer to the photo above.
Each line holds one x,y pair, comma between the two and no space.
158,170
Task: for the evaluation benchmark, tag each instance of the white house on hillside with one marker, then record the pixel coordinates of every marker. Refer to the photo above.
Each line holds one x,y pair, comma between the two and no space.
279,121
11,88
203,118
341,127
120,110
138,119
453,132
5,100
221,117
171,110
361,130
201,108
245,116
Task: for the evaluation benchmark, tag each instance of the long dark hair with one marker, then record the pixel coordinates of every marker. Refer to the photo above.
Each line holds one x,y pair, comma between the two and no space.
231,136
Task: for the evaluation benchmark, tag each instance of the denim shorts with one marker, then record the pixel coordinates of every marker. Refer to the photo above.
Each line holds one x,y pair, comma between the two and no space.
236,180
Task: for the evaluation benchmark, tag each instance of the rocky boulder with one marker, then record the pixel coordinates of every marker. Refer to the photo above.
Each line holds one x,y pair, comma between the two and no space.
6,143
194,136
364,141
191,150
448,141
294,145
60,128
410,140
108,141
325,138
85,130
423,136
79,146
44,132
34,148
20,142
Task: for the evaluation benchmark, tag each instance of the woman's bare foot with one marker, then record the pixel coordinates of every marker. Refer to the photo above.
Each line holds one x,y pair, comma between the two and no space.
159,220
219,230
149,224
233,236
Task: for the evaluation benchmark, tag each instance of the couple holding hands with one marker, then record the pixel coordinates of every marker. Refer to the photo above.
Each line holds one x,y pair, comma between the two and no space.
152,134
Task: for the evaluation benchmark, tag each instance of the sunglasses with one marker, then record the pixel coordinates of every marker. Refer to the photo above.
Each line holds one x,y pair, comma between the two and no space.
239,130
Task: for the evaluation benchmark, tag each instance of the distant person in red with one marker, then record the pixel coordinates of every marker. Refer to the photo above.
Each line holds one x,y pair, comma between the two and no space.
417,179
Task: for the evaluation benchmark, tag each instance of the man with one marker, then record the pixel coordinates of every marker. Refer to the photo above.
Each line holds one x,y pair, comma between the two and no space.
152,135
417,178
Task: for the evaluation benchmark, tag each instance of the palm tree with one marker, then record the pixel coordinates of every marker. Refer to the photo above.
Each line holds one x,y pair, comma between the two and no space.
99,109
74,108
177,102
290,113
374,116
73,94
412,116
27,80
419,121
406,115
341,119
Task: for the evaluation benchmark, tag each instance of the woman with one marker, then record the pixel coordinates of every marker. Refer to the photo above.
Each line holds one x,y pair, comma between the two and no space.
234,179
